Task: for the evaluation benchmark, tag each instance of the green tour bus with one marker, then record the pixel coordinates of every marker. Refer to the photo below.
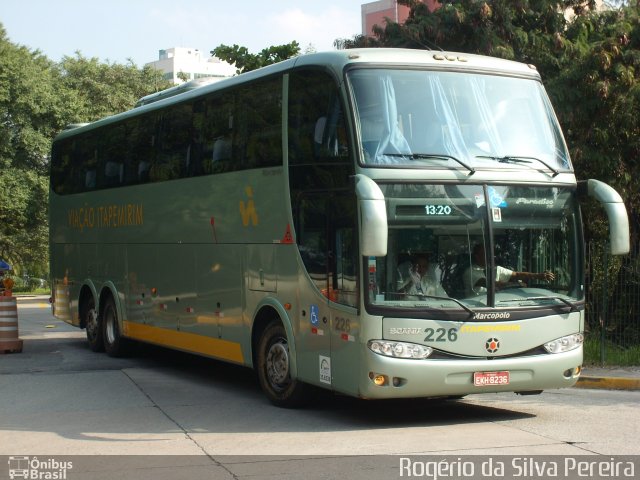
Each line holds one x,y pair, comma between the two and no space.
381,223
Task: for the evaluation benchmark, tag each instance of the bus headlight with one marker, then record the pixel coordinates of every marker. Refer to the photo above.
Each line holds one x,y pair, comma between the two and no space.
564,344
399,349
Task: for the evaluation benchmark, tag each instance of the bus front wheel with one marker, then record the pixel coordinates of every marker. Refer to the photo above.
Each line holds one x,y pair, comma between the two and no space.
274,368
114,343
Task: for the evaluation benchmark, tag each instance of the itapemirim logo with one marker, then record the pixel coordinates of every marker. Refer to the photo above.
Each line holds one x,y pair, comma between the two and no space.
36,469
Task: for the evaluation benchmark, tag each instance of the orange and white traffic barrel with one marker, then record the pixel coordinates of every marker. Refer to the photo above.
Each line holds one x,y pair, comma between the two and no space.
9,341
61,308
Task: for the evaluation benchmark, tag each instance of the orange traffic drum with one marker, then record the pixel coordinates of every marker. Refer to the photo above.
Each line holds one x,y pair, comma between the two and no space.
9,341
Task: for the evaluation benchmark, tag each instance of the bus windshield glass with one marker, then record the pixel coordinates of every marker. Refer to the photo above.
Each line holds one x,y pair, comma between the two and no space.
424,118
473,246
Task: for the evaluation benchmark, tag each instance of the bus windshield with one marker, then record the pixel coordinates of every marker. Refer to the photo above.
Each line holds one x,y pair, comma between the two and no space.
473,246
423,118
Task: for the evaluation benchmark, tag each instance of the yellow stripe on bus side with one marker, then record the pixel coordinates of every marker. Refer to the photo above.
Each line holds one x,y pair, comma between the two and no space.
189,342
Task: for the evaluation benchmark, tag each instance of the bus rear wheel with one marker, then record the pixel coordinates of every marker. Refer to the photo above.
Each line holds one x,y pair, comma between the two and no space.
274,368
93,326
114,343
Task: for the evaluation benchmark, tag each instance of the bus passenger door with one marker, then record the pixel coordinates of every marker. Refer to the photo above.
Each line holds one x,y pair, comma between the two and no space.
329,322
343,292
314,351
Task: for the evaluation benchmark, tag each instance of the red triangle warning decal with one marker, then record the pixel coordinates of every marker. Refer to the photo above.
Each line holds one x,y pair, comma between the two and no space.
288,238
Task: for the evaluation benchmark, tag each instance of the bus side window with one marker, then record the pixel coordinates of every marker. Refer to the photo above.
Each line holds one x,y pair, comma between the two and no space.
111,155
218,130
195,149
311,221
173,149
259,115
317,132
86,164
141,139
345,248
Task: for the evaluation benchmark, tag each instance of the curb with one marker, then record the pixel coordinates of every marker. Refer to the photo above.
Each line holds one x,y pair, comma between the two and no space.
608,383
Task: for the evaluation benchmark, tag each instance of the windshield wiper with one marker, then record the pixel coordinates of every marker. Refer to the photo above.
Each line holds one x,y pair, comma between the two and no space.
520,159
571,305
469,311
431,156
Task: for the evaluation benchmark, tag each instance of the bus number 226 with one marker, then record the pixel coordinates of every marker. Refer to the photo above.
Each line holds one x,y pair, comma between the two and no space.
441,334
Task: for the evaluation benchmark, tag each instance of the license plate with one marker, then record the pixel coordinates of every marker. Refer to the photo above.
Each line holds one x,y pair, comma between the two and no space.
488,379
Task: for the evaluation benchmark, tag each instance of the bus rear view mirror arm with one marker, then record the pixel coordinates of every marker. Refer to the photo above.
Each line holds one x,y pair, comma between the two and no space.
616,212
373,216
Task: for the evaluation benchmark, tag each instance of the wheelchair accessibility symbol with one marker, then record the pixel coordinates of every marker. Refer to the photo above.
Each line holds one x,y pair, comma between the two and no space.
314,315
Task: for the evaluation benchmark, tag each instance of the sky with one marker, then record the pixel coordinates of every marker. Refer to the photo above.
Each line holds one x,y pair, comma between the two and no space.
118,30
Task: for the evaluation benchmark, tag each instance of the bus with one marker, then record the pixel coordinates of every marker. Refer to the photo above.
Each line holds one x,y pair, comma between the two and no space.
276,220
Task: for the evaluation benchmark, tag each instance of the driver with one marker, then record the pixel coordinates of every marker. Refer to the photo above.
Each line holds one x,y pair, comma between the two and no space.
475,278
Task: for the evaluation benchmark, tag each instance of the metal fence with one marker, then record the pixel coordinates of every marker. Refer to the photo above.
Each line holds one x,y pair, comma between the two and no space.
612,306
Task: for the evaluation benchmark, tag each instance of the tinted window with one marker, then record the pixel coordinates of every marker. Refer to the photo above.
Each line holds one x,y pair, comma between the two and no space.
226,131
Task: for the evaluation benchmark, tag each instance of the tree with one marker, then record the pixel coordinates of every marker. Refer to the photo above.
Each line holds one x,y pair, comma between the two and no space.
23,221
32,110
101,89
245,61
598,101
32,107
530,31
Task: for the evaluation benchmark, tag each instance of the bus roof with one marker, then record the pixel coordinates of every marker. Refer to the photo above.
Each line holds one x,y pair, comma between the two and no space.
337,61
177,90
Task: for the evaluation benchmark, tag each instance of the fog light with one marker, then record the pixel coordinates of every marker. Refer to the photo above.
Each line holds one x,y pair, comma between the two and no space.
398,381
378,379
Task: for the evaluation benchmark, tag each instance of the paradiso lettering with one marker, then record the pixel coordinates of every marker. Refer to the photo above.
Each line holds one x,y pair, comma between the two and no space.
107,216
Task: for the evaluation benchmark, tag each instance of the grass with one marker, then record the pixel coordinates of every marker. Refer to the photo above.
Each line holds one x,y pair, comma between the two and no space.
614,355
37,291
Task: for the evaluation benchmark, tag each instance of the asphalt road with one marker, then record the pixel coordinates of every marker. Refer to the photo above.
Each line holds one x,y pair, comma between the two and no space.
205,419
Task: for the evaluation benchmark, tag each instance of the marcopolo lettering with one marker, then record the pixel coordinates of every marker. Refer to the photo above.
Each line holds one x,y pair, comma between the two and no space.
491,316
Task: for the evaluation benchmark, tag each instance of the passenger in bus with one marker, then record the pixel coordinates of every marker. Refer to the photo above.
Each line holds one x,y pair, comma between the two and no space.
422,281
475,278
221,150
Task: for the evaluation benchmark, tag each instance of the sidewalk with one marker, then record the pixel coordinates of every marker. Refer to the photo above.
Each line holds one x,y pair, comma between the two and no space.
610,378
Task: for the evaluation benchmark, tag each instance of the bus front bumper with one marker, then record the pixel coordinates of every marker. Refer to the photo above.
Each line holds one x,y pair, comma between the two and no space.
401,378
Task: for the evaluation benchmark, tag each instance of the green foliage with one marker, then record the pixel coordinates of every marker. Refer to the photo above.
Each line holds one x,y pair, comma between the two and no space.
245,61
23,220
31,110
613,354
597,98
101,89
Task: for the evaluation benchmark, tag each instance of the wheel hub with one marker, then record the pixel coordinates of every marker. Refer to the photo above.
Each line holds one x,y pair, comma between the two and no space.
92,322
278,363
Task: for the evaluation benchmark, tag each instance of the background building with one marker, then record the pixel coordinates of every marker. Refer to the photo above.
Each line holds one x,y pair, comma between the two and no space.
374,13
191,64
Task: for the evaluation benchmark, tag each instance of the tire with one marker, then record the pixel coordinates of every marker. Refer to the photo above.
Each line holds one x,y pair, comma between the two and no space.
93,326
274,369
114,344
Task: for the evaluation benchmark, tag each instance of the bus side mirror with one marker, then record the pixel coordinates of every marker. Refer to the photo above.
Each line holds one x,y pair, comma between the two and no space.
616,212
373,217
